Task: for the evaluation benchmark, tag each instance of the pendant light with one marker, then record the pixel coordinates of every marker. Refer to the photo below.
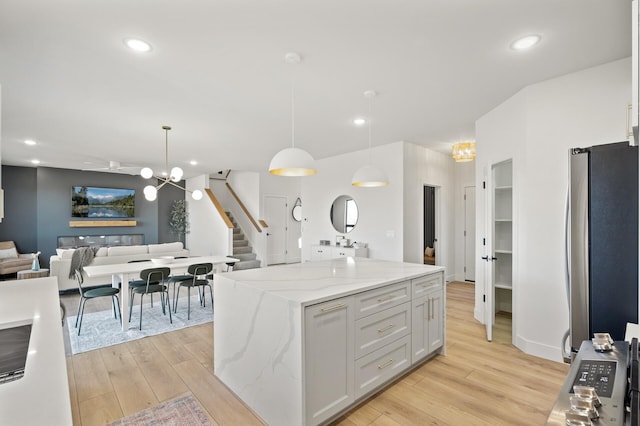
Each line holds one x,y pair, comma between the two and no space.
369,176
292,161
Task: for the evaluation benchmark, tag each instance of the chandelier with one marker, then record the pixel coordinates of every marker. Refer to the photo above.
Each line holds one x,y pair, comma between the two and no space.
175,175
463,151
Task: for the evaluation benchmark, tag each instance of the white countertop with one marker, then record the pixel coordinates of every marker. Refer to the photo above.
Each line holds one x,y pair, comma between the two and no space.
313,282
41,397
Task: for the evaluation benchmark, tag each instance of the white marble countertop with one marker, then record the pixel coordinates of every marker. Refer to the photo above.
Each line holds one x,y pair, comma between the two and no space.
41,397
314,282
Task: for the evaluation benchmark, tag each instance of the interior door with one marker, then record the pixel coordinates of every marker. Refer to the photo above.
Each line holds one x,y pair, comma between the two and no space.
470,233
489,318
275,213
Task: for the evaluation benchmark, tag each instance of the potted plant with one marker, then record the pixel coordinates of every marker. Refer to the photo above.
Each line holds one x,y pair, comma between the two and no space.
179,219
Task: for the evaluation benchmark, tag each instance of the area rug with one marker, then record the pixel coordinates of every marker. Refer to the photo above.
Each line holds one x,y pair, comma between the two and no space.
100,329
181,411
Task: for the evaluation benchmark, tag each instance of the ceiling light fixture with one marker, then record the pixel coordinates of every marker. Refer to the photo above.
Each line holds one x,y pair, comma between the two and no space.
29,142
369,176
137,45
526,42
463,151
359,121
150,191
34,161
292,161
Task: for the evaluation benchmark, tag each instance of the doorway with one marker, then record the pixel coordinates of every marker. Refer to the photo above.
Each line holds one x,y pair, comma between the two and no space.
499,255
275,213
429,218
470,233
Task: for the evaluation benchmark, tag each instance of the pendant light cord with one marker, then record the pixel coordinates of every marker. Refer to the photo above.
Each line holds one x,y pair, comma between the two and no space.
293,118
166,150
370,125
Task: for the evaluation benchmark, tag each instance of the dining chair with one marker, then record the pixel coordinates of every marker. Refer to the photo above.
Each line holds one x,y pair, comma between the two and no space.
197,277
155,279
137,282
87,294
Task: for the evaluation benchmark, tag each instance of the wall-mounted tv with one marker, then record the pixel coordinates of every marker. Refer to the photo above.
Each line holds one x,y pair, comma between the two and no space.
87,201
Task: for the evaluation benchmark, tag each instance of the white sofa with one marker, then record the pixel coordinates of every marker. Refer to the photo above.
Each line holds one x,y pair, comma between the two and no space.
60,264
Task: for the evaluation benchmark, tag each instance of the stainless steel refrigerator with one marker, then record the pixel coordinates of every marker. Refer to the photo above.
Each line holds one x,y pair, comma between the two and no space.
602,240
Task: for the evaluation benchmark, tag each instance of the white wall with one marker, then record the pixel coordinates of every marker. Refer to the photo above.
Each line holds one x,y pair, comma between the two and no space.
209,234
464,175
380,209
422,167
536,127
391,218
246,185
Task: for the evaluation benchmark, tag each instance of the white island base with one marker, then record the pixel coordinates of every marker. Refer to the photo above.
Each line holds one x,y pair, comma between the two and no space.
300,344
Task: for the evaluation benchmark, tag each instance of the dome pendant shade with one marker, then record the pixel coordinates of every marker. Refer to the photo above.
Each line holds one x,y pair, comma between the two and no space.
369,177
292,162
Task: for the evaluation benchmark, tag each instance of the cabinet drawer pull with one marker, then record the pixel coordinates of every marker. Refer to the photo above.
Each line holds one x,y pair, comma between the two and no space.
389,327
384,299
333,308
433,313
385,365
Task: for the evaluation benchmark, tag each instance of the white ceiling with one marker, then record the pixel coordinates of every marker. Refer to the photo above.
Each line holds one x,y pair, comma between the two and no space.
217,73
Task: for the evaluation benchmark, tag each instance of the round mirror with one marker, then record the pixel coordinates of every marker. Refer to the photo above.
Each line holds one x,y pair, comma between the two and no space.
344,214
297,213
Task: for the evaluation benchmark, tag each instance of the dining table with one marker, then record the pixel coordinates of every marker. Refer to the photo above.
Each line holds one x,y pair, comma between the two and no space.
122,273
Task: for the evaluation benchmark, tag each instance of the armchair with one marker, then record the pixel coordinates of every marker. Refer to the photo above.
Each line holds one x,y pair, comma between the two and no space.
11,261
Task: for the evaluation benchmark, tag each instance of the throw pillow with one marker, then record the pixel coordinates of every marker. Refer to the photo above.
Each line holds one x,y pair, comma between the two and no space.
429,251
11,253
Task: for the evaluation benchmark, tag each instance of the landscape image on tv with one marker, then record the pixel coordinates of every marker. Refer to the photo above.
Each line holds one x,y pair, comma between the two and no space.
87,201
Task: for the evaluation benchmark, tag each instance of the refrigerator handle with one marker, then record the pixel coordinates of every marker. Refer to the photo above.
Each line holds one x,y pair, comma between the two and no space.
566,355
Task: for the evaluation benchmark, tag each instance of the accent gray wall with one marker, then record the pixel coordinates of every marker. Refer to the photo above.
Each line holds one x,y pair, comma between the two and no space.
20,214
38,207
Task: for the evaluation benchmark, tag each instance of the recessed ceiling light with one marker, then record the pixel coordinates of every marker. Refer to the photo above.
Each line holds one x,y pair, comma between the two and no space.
526,42
137,45
193,162
29,142
359,121
34,161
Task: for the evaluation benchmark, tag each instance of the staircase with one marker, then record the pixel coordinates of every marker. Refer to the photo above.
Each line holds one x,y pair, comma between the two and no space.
241,249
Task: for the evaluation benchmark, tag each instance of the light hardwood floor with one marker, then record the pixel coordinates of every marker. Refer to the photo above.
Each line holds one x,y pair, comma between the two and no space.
476,383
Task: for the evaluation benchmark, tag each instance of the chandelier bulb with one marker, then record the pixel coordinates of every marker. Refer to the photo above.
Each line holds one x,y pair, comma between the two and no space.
146,173
196,195
150,192
176,174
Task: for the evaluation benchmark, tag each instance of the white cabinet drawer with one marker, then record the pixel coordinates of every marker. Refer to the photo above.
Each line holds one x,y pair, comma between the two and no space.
425,284
377,330
376,300
382,365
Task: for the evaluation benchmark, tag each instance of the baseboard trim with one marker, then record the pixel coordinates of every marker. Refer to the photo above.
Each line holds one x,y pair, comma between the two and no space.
540,350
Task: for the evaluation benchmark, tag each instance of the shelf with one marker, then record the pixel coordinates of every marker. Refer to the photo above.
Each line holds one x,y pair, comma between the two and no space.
503,220
503,188
98,223
504,286
503,251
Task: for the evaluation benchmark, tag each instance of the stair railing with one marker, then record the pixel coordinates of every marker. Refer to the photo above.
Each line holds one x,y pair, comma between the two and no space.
243,208
219,208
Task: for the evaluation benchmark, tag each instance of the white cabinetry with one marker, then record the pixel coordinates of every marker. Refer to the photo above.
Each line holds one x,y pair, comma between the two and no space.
391,327
319,252
328,355
427,318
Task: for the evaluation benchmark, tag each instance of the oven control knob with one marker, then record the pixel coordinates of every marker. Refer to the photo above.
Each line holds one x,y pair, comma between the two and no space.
588,393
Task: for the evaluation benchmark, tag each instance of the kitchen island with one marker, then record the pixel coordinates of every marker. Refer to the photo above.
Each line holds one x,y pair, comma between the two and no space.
302,343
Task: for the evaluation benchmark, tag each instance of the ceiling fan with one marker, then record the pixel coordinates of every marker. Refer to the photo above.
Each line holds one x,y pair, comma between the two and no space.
115,167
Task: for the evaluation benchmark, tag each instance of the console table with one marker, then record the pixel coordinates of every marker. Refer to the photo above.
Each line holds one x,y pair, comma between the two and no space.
28,273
